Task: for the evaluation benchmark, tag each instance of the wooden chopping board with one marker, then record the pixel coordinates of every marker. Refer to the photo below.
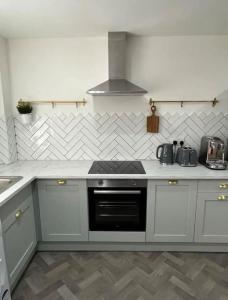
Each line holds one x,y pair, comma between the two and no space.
153,121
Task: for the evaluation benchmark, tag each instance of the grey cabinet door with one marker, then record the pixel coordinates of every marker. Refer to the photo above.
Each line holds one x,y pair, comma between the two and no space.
171,209
212,218
63,210
19,234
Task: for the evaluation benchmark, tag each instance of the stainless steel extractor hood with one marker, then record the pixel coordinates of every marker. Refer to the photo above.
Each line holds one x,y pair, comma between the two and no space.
117,84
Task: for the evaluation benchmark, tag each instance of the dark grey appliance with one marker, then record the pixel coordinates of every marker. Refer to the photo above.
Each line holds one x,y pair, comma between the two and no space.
165,154
186,157
117,204
212,153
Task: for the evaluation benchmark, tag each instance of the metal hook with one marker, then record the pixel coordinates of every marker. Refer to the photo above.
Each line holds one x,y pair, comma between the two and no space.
214,102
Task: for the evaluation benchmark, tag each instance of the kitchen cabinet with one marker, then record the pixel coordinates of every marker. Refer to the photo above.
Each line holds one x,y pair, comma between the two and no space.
63,210
19,232
211,216
171,206
213,186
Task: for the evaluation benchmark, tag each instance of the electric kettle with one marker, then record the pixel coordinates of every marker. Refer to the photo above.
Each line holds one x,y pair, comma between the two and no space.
165,154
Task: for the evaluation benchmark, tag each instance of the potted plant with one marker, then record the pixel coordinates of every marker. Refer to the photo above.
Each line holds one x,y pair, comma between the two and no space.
25,111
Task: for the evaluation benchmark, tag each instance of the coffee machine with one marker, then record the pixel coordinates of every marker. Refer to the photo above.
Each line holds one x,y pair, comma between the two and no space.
212,153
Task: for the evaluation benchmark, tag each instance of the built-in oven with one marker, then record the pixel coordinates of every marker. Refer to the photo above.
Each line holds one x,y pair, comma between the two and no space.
117,205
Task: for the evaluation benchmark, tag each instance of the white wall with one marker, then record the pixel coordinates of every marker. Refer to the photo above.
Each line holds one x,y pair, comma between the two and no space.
181,68
177,68
7,134
5,95
57,68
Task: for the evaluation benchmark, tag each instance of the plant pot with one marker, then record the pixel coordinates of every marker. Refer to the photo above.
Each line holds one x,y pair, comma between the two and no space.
26,118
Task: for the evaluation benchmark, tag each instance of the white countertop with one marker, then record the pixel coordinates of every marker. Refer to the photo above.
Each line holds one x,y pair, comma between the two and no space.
31,170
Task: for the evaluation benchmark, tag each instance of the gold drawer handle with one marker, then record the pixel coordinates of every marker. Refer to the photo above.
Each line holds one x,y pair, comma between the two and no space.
61,181
222,197
223,186
172,182
18,214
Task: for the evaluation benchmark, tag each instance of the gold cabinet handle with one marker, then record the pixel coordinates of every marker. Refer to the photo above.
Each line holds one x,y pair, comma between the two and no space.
172,182
61,181
222,197
18,214
223,186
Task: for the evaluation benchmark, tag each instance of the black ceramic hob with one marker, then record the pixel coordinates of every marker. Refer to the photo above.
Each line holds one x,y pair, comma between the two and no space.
117,167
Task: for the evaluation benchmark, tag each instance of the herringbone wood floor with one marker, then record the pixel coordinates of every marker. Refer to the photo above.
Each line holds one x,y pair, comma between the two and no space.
125,275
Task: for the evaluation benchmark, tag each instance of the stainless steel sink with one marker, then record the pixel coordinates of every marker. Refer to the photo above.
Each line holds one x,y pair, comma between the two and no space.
7,181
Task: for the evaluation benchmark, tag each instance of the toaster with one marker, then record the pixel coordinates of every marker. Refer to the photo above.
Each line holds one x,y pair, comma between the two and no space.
186,157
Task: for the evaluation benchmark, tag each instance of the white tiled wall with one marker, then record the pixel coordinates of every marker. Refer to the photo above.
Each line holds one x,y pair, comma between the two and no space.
11,139
110,136
8,150
4,149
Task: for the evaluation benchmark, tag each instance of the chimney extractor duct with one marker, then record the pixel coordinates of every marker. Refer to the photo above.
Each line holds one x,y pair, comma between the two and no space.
117,84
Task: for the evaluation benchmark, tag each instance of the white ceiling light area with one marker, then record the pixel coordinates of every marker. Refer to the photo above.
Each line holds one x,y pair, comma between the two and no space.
67,18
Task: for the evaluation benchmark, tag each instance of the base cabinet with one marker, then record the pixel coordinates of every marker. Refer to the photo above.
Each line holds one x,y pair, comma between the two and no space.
171,206
63,210
19,233
212,218
178,214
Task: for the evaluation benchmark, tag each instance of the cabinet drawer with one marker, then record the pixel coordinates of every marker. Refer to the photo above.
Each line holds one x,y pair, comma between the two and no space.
213,186
172,183
59,182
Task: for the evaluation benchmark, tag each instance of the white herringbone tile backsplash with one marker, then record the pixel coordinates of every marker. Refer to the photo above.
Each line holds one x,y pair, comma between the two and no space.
4,148
110,136
11,139
8,151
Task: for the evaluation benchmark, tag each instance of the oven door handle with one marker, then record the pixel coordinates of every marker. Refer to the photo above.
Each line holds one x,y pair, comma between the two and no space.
117,192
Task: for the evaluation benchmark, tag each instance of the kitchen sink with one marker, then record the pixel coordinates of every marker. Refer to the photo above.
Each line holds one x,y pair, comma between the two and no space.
7,181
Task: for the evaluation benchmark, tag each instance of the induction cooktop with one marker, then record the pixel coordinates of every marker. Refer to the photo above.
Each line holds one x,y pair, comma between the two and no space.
117,167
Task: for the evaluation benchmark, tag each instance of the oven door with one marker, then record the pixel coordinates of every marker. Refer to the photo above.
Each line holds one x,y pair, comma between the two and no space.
117,209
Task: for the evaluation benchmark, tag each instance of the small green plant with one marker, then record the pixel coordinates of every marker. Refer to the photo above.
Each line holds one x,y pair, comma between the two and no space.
24,107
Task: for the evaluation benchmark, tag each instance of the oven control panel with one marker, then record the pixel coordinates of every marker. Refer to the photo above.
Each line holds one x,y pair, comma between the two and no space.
116,183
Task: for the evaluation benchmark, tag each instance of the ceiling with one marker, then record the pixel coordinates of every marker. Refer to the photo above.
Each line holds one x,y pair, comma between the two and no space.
66,18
